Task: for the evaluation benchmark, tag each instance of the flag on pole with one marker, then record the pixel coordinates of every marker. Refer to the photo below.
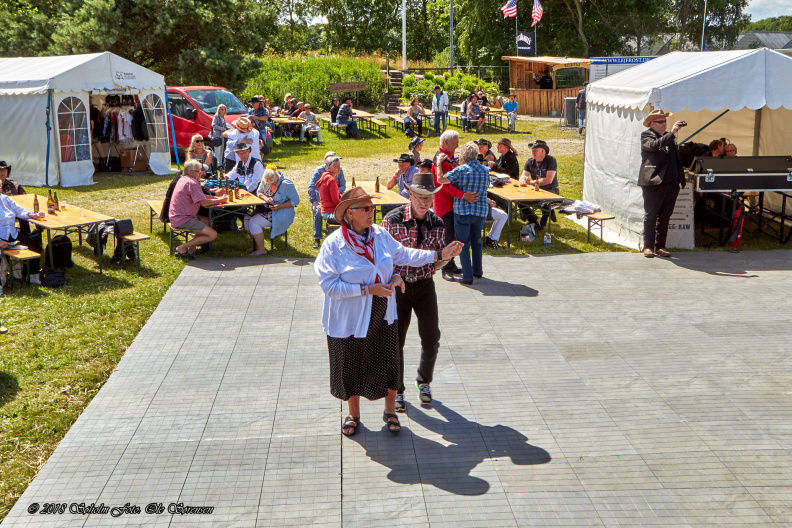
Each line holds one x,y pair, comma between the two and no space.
536,14
510,9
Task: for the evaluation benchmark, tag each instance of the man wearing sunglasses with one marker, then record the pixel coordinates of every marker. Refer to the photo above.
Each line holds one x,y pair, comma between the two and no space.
660,178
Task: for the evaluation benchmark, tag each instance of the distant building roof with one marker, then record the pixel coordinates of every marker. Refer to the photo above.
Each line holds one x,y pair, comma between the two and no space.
556,61
763,39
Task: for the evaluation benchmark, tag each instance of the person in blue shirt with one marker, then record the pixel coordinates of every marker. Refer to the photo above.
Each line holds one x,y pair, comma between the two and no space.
511,107
469,218
404,174
313,197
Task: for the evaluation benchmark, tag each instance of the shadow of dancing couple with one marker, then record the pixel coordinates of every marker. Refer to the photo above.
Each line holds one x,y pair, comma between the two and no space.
448,467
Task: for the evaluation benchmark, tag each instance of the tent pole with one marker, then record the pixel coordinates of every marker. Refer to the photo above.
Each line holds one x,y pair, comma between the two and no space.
702,128
757,126
49,129
173,130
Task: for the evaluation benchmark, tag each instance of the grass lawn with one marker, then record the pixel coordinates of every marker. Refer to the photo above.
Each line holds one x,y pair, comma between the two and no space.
63,344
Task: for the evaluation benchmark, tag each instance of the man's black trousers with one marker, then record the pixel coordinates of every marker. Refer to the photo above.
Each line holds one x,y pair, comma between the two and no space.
659,201
419,297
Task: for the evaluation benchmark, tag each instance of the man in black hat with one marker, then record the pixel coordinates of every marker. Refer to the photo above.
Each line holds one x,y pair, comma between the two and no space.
404,174
542,168
257,114
414,225
344,117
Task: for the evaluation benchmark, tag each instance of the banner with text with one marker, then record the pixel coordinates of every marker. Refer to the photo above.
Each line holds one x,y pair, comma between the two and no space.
525,44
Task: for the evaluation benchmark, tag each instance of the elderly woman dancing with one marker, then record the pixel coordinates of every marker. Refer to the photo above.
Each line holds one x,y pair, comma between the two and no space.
355,269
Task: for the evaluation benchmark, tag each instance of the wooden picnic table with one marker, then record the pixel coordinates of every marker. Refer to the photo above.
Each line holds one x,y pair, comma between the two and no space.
387,198
238,208
287,122
514,193
494,115
73,220
426,115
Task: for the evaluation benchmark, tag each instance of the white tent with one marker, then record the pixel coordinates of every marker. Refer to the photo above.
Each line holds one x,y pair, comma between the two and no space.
40,91
753,87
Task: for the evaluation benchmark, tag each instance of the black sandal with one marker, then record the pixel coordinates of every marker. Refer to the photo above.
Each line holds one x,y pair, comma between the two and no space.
386,418
346,425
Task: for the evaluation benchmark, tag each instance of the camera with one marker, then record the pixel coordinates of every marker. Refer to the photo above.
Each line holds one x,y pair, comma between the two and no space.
683,123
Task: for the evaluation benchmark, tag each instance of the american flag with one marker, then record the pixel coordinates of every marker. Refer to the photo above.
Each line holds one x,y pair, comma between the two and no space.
536,14
510,9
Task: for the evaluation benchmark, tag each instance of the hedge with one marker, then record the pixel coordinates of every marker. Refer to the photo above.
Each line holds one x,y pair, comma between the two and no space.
308,79
457,86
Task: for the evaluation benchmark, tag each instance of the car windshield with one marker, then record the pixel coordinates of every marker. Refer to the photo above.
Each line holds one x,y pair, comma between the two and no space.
208,100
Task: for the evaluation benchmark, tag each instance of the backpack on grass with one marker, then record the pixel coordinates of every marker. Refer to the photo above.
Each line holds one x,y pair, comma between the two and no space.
61,247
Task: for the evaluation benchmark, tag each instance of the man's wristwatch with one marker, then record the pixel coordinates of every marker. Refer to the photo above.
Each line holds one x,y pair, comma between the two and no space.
439,254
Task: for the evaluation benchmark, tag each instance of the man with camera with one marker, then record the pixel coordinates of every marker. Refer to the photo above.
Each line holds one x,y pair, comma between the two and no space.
660,178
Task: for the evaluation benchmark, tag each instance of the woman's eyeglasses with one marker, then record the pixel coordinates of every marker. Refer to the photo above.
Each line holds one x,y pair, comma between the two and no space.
198,141
366,208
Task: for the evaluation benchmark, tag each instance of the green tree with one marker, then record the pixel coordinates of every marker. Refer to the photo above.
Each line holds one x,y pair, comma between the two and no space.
782,23
361,25
188,41
724,21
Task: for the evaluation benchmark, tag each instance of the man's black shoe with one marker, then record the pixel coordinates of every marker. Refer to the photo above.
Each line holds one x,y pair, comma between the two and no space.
468,283
447,275
317,244
478,276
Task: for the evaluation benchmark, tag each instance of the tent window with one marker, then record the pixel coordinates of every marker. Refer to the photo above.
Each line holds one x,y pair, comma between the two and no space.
154,110
75,142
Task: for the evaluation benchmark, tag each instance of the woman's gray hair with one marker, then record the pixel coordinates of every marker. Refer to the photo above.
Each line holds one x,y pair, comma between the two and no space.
468,152
330,160
270,176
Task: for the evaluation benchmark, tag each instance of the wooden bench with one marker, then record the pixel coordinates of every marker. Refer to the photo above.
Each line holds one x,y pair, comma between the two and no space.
134,240
155,208
330,125
374,122
397,121
594,220
19,255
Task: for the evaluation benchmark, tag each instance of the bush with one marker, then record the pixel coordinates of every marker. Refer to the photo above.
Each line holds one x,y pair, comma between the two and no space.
409,81
439,81
309,78
470,83
429,76
446,75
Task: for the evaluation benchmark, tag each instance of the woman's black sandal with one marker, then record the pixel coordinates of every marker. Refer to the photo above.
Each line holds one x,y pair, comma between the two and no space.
386,418
347,424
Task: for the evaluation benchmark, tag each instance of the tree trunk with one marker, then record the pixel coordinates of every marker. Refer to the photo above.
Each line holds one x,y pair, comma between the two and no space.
577,14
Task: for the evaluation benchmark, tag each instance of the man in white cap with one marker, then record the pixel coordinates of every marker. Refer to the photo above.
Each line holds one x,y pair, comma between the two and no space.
244,132
313,196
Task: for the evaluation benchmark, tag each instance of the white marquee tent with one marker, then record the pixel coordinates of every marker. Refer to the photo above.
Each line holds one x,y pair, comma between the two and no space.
753,86
29,86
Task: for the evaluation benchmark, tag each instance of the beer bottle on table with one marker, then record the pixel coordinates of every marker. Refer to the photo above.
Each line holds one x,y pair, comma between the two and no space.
236,192
35,203
353,182
50,203
57,203
376,184
536,185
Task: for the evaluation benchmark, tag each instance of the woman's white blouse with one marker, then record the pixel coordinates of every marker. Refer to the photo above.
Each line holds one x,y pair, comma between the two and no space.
9,212
341,271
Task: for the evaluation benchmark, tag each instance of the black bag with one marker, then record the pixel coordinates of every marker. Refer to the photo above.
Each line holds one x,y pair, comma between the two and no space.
130,253
216,142
52,278
61,249
105,230
124,227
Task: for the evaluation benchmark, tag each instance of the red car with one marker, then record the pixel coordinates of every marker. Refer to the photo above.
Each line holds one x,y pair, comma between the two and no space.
193,108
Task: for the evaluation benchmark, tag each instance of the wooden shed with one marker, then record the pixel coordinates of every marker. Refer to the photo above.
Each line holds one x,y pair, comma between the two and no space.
568,75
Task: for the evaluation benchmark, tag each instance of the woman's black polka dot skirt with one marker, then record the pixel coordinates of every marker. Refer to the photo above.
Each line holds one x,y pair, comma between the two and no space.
366,366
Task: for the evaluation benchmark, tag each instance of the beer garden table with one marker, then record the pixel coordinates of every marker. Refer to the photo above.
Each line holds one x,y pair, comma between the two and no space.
513,193
237,208
287,122
361,116
386,197
73,220
425,116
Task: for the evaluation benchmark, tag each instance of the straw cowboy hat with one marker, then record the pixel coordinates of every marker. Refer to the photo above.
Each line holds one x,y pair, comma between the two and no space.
349,198
243,124
654,115
423,183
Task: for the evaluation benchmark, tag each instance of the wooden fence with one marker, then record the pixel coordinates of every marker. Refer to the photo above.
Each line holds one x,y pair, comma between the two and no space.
542,102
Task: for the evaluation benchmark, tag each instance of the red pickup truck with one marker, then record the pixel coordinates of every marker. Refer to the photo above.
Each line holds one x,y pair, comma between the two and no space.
193,108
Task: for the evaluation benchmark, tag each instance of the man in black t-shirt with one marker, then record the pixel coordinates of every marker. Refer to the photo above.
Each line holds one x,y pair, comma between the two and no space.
542,168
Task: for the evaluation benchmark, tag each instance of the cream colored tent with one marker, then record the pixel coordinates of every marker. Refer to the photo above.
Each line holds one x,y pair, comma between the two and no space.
753,87
39,91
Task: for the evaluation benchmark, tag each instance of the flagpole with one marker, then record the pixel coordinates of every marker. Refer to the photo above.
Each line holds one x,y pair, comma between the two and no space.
516,34
536,44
